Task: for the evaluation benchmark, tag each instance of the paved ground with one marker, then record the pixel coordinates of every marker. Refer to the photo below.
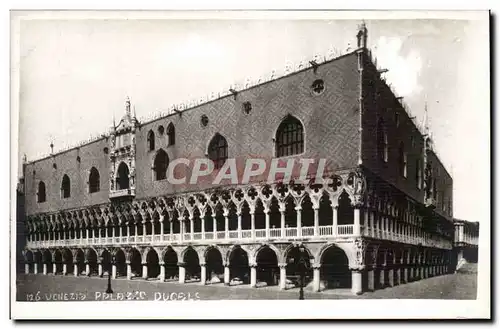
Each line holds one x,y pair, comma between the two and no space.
49,288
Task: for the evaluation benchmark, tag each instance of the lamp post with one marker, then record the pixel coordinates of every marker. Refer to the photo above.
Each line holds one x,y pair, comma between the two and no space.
301,265
109,290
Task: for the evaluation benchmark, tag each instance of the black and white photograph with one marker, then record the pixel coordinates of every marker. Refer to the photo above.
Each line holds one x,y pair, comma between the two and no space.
223,164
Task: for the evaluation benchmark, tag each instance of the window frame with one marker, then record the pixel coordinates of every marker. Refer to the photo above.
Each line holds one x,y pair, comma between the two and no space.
295,141
220,158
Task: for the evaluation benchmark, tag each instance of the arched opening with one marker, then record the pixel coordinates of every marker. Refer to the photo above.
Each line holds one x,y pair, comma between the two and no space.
106,262
307,216
80,262
92,261
335,268
37,258
389,262
41,192
171,264
260,216
289,137
214,266
192,265
325,211
47,259
238,266
160,165
274,216
135,263
122,179
120,262
345,211
58,260
267,267
290,213
68,261
217,151
65,187
94,181
153,264
151,140
29,259
296,261
171,134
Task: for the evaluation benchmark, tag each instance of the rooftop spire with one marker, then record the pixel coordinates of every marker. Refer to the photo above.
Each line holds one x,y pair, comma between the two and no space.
127,106
362,35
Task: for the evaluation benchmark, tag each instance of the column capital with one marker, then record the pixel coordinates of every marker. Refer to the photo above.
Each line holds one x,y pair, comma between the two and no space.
202,264
181,264
357,268
282,265
253,265
144,263
316,266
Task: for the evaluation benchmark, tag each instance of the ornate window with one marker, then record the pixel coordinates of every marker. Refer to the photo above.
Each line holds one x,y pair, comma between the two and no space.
94,181
161,130
289,137
204,120
171,134
247,107
151,140
65,187
122,179
418,173
403,158
217,151
318,86
42,197
160,165
382,141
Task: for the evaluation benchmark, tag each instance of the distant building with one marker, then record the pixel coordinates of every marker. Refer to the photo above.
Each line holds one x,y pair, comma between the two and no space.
466,242
380,214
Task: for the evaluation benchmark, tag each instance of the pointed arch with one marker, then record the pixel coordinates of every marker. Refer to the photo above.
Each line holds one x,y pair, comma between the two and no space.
289,137
41,194
171,134
217,150
65,187
151,140
122,179
94,180
403,159
160,165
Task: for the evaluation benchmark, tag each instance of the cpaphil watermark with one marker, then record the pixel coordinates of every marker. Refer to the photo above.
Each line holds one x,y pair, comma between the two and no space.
185,171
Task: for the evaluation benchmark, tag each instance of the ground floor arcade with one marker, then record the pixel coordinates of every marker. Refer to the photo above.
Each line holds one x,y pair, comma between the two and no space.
355,264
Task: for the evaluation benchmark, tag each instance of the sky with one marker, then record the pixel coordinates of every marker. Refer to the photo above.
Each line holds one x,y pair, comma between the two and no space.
75,76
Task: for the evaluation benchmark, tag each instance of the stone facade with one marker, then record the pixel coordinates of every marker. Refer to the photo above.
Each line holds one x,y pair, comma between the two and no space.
363,225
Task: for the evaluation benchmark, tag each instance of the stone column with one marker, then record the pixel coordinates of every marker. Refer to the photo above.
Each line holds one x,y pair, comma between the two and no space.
226,275
357,228
316,221
266,211
26,268
182,273
334,221
87,269
214,225
191,227
75,269
35,268
253,275
382,276
113,271
391,275
181,229
129,271
316,277
371,278
54,268
44,268
282,267
145,271
99,269
203,227
357,281
203,274
252,223
298,209
171,230
282,223
162,271
65,269
239,224
161,228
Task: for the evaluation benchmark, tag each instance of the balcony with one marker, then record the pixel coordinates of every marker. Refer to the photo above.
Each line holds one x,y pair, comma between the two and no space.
122,193
285,234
